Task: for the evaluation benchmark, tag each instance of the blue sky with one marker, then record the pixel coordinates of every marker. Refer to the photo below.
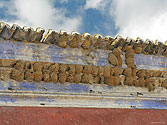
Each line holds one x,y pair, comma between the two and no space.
134,18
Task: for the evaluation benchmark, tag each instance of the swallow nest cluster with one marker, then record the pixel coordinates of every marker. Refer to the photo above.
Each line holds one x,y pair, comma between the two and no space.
112,75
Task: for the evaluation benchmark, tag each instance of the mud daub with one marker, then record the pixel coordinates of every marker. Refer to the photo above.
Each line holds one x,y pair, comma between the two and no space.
112,75
88,74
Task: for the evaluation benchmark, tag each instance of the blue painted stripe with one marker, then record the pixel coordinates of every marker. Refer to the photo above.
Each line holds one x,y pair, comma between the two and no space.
54,54
150,62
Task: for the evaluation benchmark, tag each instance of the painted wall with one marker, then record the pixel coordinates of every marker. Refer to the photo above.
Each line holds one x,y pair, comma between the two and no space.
13,93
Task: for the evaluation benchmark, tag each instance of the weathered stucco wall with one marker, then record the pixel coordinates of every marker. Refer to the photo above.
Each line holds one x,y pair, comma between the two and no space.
109,72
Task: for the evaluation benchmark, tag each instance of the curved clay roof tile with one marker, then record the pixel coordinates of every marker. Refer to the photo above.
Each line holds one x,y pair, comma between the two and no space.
85,34
62,32
107,37
74,33
97,36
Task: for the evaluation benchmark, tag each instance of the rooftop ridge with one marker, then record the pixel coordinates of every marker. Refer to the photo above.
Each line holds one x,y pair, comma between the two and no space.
76,40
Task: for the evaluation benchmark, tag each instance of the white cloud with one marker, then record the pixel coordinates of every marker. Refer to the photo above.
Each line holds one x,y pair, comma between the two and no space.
96,4
1,5
42,13
143,18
